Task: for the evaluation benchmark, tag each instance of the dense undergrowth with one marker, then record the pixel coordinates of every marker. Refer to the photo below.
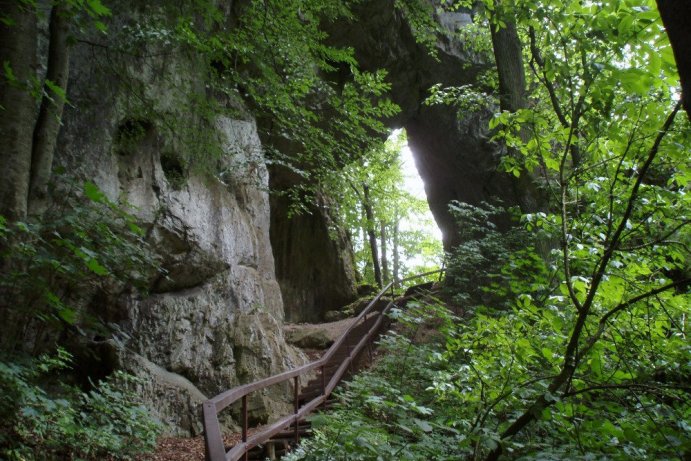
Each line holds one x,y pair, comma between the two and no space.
44,418
451,387
447,398
86,247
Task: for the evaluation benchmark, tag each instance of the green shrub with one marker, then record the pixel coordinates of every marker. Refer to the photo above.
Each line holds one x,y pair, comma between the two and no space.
491,267
42,419
85,247
51,270
451,399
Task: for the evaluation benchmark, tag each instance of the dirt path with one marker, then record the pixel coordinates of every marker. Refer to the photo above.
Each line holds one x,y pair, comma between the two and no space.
333,329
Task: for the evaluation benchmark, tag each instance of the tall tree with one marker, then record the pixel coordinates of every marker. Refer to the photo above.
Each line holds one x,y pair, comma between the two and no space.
52,103
508,56
18,41
371,232
30,135
383,238
380,208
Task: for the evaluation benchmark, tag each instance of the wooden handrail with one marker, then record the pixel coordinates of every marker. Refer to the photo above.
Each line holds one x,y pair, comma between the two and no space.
213,438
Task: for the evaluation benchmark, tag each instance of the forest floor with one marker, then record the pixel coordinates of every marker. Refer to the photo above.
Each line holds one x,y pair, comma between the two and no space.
192,448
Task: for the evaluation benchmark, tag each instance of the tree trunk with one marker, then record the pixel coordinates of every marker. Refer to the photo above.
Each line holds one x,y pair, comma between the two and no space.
17,105
509,59
371,233
676,16
396,256
50,114
508,55
384,260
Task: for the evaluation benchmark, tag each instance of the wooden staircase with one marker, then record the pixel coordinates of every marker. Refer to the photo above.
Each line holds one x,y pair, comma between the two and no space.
281,443
349,352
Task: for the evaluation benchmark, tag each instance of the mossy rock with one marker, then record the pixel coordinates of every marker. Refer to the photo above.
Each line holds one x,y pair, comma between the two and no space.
366,289
309,339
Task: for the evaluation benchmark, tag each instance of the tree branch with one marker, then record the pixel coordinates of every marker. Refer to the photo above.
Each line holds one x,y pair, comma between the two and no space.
622,306
537,57
571,357
605,387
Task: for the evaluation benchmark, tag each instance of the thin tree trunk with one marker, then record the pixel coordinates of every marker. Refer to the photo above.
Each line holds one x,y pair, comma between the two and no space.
384,260
371,233
508,55
17,105
49,117
396,255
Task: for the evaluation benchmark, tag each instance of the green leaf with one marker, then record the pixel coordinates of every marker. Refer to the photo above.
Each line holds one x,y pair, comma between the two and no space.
547,353
489,443
98,8
96,267
68,315
95,194
9,73
424,425
100,26
57,90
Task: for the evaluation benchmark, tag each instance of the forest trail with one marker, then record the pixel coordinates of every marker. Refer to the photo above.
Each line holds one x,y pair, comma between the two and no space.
352,348
192,448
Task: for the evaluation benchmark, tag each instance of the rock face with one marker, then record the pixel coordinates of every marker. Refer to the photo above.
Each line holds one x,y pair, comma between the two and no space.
452,152
197,179
314,261
214,320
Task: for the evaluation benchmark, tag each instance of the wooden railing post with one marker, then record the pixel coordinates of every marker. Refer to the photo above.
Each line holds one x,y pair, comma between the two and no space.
350,359
244,423
323,380
213,439
296,405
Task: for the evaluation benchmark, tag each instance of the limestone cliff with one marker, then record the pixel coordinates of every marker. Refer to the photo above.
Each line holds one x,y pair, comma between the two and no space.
214,320
314,260
140,124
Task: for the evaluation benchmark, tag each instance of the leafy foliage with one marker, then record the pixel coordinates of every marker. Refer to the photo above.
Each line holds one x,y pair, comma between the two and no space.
84,246
276,58
38,422
580,352
394,210
487,269
421,17
389,412
447,397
